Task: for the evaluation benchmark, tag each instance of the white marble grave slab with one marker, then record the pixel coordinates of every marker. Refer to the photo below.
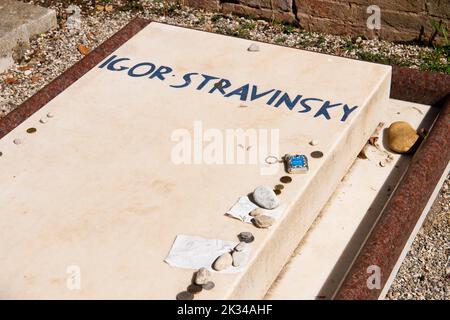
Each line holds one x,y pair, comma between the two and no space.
98,195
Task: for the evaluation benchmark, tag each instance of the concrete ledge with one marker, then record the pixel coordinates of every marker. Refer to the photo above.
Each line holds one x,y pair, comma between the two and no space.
391,233
324,256
18,23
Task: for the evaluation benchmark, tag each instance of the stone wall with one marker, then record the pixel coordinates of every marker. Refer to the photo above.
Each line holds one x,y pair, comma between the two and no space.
401,20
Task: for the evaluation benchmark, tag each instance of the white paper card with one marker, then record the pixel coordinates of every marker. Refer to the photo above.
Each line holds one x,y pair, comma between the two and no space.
193,252
242,208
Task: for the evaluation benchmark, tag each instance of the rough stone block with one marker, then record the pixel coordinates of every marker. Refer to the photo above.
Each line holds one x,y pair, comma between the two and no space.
259,13
399,5
212,5
283,5
336,11
18,22
439,8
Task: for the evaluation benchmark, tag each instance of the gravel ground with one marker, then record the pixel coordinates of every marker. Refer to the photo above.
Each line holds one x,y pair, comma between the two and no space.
423,273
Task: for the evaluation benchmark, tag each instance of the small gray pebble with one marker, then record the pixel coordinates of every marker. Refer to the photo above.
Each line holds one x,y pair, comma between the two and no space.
253,48
246,237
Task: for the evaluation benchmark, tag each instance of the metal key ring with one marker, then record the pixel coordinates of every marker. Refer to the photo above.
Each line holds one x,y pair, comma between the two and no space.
272,160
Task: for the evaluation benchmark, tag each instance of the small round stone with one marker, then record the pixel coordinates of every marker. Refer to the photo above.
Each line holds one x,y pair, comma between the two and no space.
50,115
31,130
209,285
277,191
223,262
202,276
263,221
279,187
314,142
317,154
246,237
17,141
239,258
43,120
194,288
402,137
265,198
286,179
185,295
256,212
253,48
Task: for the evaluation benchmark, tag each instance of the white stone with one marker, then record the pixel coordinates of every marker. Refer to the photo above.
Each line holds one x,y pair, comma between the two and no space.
73,21
265,197
253,47
202,276
223,262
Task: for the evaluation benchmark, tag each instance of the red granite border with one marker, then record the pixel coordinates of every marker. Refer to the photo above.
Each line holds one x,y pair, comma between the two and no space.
50,91
419,86
392,231
390,235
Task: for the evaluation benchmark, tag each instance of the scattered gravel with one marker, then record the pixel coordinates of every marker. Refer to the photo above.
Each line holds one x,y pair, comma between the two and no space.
422,274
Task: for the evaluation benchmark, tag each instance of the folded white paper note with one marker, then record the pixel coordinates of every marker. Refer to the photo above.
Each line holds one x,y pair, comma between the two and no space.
242,208
193,252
